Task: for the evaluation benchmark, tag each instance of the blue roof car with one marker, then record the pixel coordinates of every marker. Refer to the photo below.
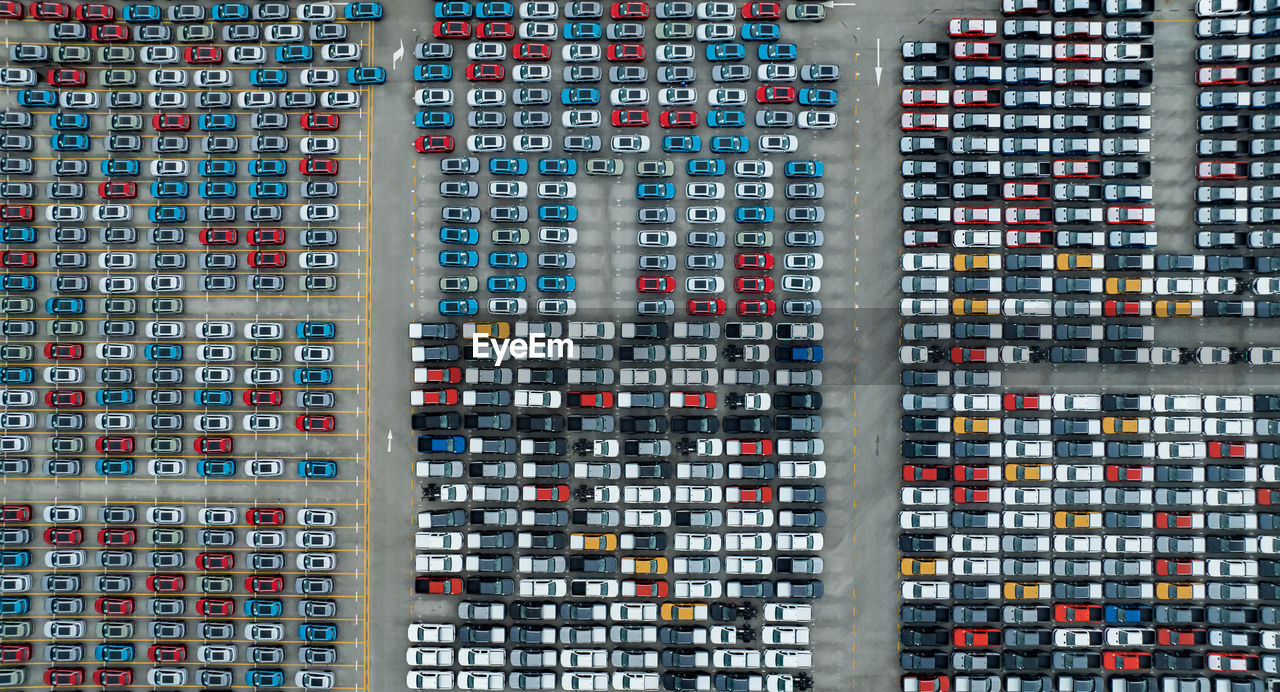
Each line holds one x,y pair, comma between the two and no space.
776,51
312,376
322,632
168,213
268,189
70,141
508,166
369,74
261,167
721,52
467,306
37,98
1128,613
506,284
433,120
753,215
297,53
459,236
557,167
216,121
113,653
729,144
803,353
579,96
140,12
722,118
263,607
363,11
15,375
757,31
452,10
170,188
557,284
432,72
655,191
581,31
230,12
163,351
819,97
557,212
508,260
218,189
682,143
495,9
803,169
114,397
69,121
217,168
213,397
115,467
268,76
264,678
441,444
14,605
704,167
459,258
315,330
64,306
17,234
120,167
18,282
318,468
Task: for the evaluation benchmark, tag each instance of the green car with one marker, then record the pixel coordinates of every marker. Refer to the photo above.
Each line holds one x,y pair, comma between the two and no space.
265,354
115,629
66,327
66,445
13,305
806,12
320,282
675,31
167,536
16,352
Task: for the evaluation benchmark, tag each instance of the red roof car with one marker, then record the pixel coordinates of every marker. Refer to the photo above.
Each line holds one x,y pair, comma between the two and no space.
113,605
203,55
167,653
114,444
216,607
713,306
318,167
17,259
266,516
264,583
313,422
263,397
320,121
64,677
1063,612
266,236
63,398
63,535
215,561
625,52
117,190
532,51
444,29
109,32
655,284
437,585
10,9
589,399
166,583
678,119
693,400
434,144
61,351
753,284
53,11
219,236
756,308
775,94
753,260
15,653
485,72
117,537
630,118
629,10
66,77
268,260
762,10
213,445
760,494
15,513
496,30
17,212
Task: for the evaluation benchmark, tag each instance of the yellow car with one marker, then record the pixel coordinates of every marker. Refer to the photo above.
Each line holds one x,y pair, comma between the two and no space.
1023,590
683,611
1028,472
976,263
911,565
1179,308
494,330
1126,426
1129,286
975,426
1175,591
1068,262
1077,520
963,306
644,565
593,541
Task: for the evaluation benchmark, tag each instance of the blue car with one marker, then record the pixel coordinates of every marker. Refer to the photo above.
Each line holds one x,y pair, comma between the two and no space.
271,189
819,97
140,13
230,12
217,168
295,53
753,215
809,353
120,167
756,31
318,468
683,143
803,169
655,191
269,76
508,260
219,468
15,558
433,120
164,189
777,52
115,467
37,98
307,376
459,236
459,258
441,444
264,678
730,144
267,167
114,397
168,213
508,166
65,306
581,31
579,96
495,9
263,607
557,167
362,11
315,330
213,397
557,284
218,189
14,605
466,306
15,375
69,121
1127,613
506,284
723,118
311,632
563,213
19,282
17,234
357,76
210,122
722,52
453,10
163,351
432,72
704,167
70,141
113,653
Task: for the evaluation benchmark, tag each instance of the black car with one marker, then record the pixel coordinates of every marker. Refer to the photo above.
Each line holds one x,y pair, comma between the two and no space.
526,423
684,658
643,424
923,660
924,613
709,425
808,401
747,424
495,586
923,636
435,421
649,541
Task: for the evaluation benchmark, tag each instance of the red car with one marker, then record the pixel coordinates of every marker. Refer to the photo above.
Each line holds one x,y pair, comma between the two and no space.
1208,76
1126,660
756,308
712,306
117,190
263,397
64,398
1028,239
166,583
444,29
1063,612
438,397
52,11
17,212
117,537
109,33
756,448
112,605
973,355
767,11
266,516
60,351
94,12
441,375
219,236
10,9
203,55
318,167
590,399
171,121
775,94
753,260
753,284
645,588
532,51
1179,520
655,284
969,637
625,52
266,236
320,121
678,119
549,493
485,72
970,472
755,493
1222,170
313,422
215,561
496,30
268,260
916,472
434,145
66,77
1139,474
1179,568
216,607
114,444
1268,496
213,445
693,400
630,118
64,677
1126,308
15,513
64,535
1232,450
264,583
964,494
15,653
629,10
447,586
17,259
1026,402
1166,636
167,653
